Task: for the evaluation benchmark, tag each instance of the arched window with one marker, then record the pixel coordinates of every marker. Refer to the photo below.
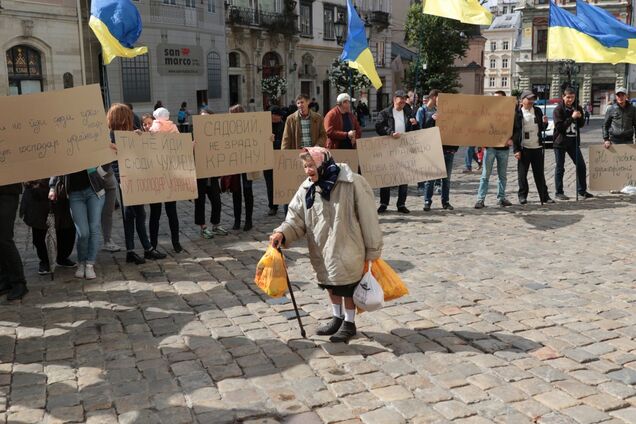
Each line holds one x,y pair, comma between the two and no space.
214,75
24,67
68,80
235,60
271,65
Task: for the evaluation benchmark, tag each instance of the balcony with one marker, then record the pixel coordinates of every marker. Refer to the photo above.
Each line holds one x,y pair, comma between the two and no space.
281,23
379,19
163,12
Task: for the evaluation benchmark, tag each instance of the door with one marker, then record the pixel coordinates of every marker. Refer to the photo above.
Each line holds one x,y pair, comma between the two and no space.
235,89
202,99
326,94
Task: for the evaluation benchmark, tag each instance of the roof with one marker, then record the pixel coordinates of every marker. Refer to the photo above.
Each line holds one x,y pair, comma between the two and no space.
507,21
404,53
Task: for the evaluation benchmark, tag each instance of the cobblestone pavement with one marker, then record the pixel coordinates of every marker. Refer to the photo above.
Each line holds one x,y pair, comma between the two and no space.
518,315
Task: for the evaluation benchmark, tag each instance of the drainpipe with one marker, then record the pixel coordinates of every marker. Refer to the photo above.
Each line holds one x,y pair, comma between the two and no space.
81,40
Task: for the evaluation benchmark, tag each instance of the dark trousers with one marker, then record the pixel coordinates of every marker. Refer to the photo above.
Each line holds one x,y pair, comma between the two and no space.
213,192
65,242
134,218
385,195
581,170
173,222
11,271
534,158
269,182
237,199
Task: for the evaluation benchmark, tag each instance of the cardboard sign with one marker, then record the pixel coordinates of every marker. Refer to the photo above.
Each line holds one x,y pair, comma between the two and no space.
613,168
466,120
156,168
415,156
54,133
233,143
289,172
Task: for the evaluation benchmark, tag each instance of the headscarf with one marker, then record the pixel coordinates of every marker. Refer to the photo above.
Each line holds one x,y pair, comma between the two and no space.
327,174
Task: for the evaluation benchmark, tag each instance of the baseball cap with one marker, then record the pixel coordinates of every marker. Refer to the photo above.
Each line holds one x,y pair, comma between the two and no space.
621,90
399,93
344,97
527,94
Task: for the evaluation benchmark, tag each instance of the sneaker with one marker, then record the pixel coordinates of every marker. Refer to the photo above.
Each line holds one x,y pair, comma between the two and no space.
17,292
66,263
206,233
90,272
177,247
403,209
549,200
345,333
272,211
448,206
586,195
561,196
331,327
111,247
523,200
132,257
467,171
505,202
154,254
382,209
480,204
44,269
219,231
427,206
81,271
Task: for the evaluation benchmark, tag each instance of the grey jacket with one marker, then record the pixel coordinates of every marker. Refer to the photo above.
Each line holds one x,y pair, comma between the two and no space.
620,123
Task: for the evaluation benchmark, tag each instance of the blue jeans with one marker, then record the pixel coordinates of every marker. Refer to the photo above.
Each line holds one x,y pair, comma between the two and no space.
430,185
86,210
502,165
468,159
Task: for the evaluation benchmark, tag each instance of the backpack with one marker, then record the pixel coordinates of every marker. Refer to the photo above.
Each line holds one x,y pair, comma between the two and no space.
181,117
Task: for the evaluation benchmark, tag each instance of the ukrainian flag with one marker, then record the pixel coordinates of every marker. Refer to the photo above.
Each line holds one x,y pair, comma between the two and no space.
466,11
602,21
356,50
570,37
117,26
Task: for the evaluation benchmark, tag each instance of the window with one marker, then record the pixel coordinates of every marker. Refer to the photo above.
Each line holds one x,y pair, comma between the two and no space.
505,10
235,60
493,46
306,28
211,6
493,63
380,53
504,63
214,75
491,82
504,45
541,45
135,77
190,4
329,28
504,82
24,66
173,2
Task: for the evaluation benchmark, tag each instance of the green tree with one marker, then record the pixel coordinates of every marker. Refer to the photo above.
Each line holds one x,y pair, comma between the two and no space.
440,41
345,78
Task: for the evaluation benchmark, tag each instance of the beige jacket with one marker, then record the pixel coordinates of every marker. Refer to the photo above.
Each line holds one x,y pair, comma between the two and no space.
292,135
341,233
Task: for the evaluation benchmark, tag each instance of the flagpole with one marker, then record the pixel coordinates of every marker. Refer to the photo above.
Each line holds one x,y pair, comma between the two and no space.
545,104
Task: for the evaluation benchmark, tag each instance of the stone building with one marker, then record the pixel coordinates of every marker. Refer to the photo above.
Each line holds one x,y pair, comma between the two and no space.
501,38
597,82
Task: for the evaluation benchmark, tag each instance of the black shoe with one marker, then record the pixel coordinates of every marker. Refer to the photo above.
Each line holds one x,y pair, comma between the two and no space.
5,287
504,202
330,328
523,200
345,333
448,206
480,204
586,195
177,247
154,254
403,209
272,211
132,257
248,226
44,269
382,209
549,200
236,226
17,292
427,206
66,263
561,196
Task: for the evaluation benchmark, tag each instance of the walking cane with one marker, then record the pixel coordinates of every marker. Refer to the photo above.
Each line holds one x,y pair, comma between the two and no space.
291,293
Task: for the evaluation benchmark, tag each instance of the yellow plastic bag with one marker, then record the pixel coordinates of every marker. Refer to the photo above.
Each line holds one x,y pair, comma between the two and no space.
271,275
391,283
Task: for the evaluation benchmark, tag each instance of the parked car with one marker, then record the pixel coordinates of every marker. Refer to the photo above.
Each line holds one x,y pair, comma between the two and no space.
548,137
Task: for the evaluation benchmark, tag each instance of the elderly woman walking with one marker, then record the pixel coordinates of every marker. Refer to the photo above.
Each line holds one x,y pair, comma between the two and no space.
334,210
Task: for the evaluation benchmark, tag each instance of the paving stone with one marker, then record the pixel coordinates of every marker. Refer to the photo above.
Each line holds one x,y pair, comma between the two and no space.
556,399
584,414
382,416
626,375
605,402
627,414
453,409
392,393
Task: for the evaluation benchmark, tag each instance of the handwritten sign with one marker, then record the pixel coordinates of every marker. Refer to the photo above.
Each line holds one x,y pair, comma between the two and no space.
233,143
156,168
289,172
466,120
613,168
52,133
415,156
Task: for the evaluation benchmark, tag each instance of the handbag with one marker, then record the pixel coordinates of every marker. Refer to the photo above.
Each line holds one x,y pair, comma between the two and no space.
368,294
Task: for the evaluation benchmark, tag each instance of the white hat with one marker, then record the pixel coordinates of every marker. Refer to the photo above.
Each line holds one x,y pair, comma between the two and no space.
344,97
161,114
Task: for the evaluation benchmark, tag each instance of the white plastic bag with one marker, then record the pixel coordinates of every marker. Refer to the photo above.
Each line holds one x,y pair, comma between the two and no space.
368,295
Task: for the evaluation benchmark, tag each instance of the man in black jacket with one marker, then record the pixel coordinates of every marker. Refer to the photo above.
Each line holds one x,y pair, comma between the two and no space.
568,120
528,147
620,121
11,272
394,121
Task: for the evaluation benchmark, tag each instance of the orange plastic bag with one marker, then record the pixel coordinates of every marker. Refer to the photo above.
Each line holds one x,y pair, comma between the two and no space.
271,275
391,283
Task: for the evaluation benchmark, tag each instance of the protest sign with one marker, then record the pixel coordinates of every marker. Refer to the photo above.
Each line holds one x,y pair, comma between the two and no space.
465,120
53,133
156,168
233,143
289,172
613,168
415,156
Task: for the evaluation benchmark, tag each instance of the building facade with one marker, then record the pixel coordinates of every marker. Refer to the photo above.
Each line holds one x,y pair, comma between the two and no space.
471,67
501,38
596,82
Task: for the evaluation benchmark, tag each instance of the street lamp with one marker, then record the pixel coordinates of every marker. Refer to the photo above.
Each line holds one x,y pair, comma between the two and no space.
340,24
367,28
570,69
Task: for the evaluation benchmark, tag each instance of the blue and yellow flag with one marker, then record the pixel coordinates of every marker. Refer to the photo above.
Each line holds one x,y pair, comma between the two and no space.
356,50
466,11
570,37
117,26
600,20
